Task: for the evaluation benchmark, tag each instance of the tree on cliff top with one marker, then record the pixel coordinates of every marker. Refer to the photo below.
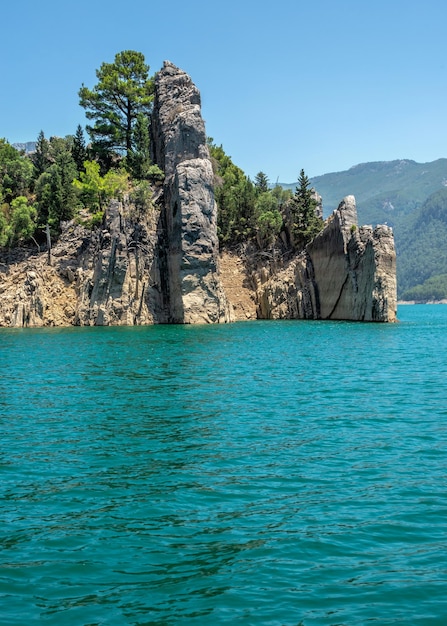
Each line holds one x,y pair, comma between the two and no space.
306,223
124,91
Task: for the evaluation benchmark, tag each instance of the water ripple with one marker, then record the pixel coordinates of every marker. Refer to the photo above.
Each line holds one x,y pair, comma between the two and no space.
272,473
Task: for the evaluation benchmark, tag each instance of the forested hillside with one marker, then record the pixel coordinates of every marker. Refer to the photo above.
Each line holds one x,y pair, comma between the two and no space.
423,250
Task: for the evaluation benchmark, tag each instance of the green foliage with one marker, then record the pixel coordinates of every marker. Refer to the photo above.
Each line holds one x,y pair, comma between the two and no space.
155,174
95,189
421,246
138,158
3,228
15,172
305,223
235,196
261,182
116,184
247,212
41,157
141,196
282,195
23,220
79,149
95,220
124,90
268,219
57,199
434,288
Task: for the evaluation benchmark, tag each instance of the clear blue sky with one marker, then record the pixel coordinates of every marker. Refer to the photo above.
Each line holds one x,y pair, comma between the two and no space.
286,84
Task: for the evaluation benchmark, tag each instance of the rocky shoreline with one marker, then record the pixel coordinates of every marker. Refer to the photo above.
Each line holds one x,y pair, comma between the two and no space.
164,266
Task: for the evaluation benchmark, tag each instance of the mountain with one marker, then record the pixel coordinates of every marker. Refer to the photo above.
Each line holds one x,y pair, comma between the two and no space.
27,147
406,195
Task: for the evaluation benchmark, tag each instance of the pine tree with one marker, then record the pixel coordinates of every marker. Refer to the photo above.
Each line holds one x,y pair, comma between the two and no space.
261,182
41,157
124,90
79,149
305,222
139,160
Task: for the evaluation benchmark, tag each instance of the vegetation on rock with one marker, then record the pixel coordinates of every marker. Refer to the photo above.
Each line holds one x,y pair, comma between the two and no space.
255,213
64,175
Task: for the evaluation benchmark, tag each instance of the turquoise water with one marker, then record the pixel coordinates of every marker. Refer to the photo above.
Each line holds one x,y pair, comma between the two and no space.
277,473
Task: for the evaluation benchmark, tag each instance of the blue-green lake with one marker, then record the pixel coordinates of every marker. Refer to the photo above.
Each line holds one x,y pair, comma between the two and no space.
265,473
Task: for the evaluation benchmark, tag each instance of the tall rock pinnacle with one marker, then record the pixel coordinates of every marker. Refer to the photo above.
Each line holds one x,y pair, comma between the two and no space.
192,288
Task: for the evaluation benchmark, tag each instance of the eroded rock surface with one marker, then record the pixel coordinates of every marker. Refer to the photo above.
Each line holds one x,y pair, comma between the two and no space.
102,277
117,278
162,265
192,290
345,273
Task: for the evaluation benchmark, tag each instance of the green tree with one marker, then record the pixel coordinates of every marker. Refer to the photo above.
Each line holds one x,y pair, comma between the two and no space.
57,199
305,222
268,219
23,220
3,227
79,149
15,172
95,189
124,90
138,159
41,157
235,197
261,182
282,196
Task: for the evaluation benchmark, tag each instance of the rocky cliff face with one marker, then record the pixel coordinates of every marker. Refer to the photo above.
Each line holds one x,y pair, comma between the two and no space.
162,266
104,277
345,273
117,280
189,251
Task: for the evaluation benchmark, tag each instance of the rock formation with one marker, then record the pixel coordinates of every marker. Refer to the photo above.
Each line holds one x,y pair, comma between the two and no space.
103,277
189,247
345,273
117,279
162,265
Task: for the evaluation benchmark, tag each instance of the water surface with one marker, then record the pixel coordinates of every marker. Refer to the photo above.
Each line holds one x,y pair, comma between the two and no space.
276,473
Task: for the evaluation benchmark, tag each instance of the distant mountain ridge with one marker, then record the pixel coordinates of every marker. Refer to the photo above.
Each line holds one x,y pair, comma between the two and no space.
26,147
381,188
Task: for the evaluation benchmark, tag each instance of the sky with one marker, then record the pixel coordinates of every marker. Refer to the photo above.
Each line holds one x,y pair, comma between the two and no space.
319,85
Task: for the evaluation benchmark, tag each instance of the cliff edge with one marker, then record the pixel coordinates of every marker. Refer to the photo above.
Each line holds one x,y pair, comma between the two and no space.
346,273
163,265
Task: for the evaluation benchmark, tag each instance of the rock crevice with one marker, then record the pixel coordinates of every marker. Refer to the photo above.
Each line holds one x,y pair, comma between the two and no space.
345,273
192,288
163,265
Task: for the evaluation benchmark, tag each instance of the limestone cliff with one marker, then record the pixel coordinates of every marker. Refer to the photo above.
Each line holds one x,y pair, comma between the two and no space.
162,265
192,289
345,273
155,267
